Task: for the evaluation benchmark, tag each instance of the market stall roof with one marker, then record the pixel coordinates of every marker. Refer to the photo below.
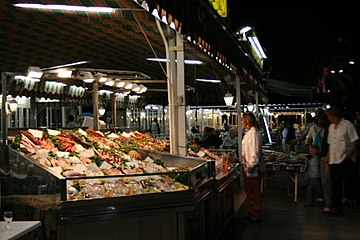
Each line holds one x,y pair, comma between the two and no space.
122,40
289,88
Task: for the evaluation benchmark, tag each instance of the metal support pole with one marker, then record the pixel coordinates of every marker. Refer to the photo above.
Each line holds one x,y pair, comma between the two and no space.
114,111
257,104
4,125
238,110
180,93
96,104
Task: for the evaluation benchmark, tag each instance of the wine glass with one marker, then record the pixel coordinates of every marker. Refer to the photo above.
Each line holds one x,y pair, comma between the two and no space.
8,216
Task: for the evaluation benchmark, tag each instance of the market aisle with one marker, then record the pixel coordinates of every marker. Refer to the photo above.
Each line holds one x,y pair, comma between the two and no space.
284,219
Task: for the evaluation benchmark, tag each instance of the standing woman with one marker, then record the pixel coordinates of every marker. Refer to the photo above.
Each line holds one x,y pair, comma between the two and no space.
253,164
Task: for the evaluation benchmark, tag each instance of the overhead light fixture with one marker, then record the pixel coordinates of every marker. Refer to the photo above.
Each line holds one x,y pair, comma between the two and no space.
34,72
101,110
128,86
250,107
243,32
186,61
87,77
121,84
102,79
142,89
64,7
257,46
64,73
194,62
228,98
157,59
103,91
110,83
135,88
101,76
12,105
64,65
245,29
208,80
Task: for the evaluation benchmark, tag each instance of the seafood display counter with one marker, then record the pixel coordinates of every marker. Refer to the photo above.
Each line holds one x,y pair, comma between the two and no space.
96,200
227,175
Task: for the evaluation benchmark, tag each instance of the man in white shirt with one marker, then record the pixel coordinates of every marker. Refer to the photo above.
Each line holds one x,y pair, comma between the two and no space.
343,141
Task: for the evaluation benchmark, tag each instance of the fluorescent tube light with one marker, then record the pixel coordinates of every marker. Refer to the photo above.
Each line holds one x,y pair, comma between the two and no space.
65,7
156,59
257,46
186,61
208,80
65,65
195,62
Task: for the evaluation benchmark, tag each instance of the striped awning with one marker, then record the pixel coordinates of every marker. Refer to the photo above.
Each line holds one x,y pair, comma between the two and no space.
54,87
76,91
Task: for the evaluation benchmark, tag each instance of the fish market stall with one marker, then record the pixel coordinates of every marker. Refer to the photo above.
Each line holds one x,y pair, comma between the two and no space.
85,185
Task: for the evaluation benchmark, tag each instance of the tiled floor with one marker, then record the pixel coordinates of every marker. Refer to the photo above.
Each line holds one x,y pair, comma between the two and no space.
285,219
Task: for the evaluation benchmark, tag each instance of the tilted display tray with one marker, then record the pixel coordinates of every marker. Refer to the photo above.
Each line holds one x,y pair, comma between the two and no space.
31,178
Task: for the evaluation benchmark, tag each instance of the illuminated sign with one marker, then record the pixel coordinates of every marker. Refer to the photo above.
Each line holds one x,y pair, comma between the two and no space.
220,6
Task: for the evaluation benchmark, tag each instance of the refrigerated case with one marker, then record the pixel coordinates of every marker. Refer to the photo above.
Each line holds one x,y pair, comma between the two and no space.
227,178
34,192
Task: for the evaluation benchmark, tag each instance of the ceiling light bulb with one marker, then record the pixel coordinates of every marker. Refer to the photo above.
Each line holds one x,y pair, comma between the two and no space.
64,73
13,105
128,86
89,80
87,77
228,98
101,110
121,84
34,72
135,88
102,79
110,83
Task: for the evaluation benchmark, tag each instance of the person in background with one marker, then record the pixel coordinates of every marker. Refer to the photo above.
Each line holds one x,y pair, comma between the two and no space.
314,189
323,122
194,129
284,133
230,139
290,136
213,140
357,167
72,122
343,142
155,127
254,166
318,111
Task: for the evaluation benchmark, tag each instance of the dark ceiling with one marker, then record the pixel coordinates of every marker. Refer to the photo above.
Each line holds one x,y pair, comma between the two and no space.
301,38
120,41
299,41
